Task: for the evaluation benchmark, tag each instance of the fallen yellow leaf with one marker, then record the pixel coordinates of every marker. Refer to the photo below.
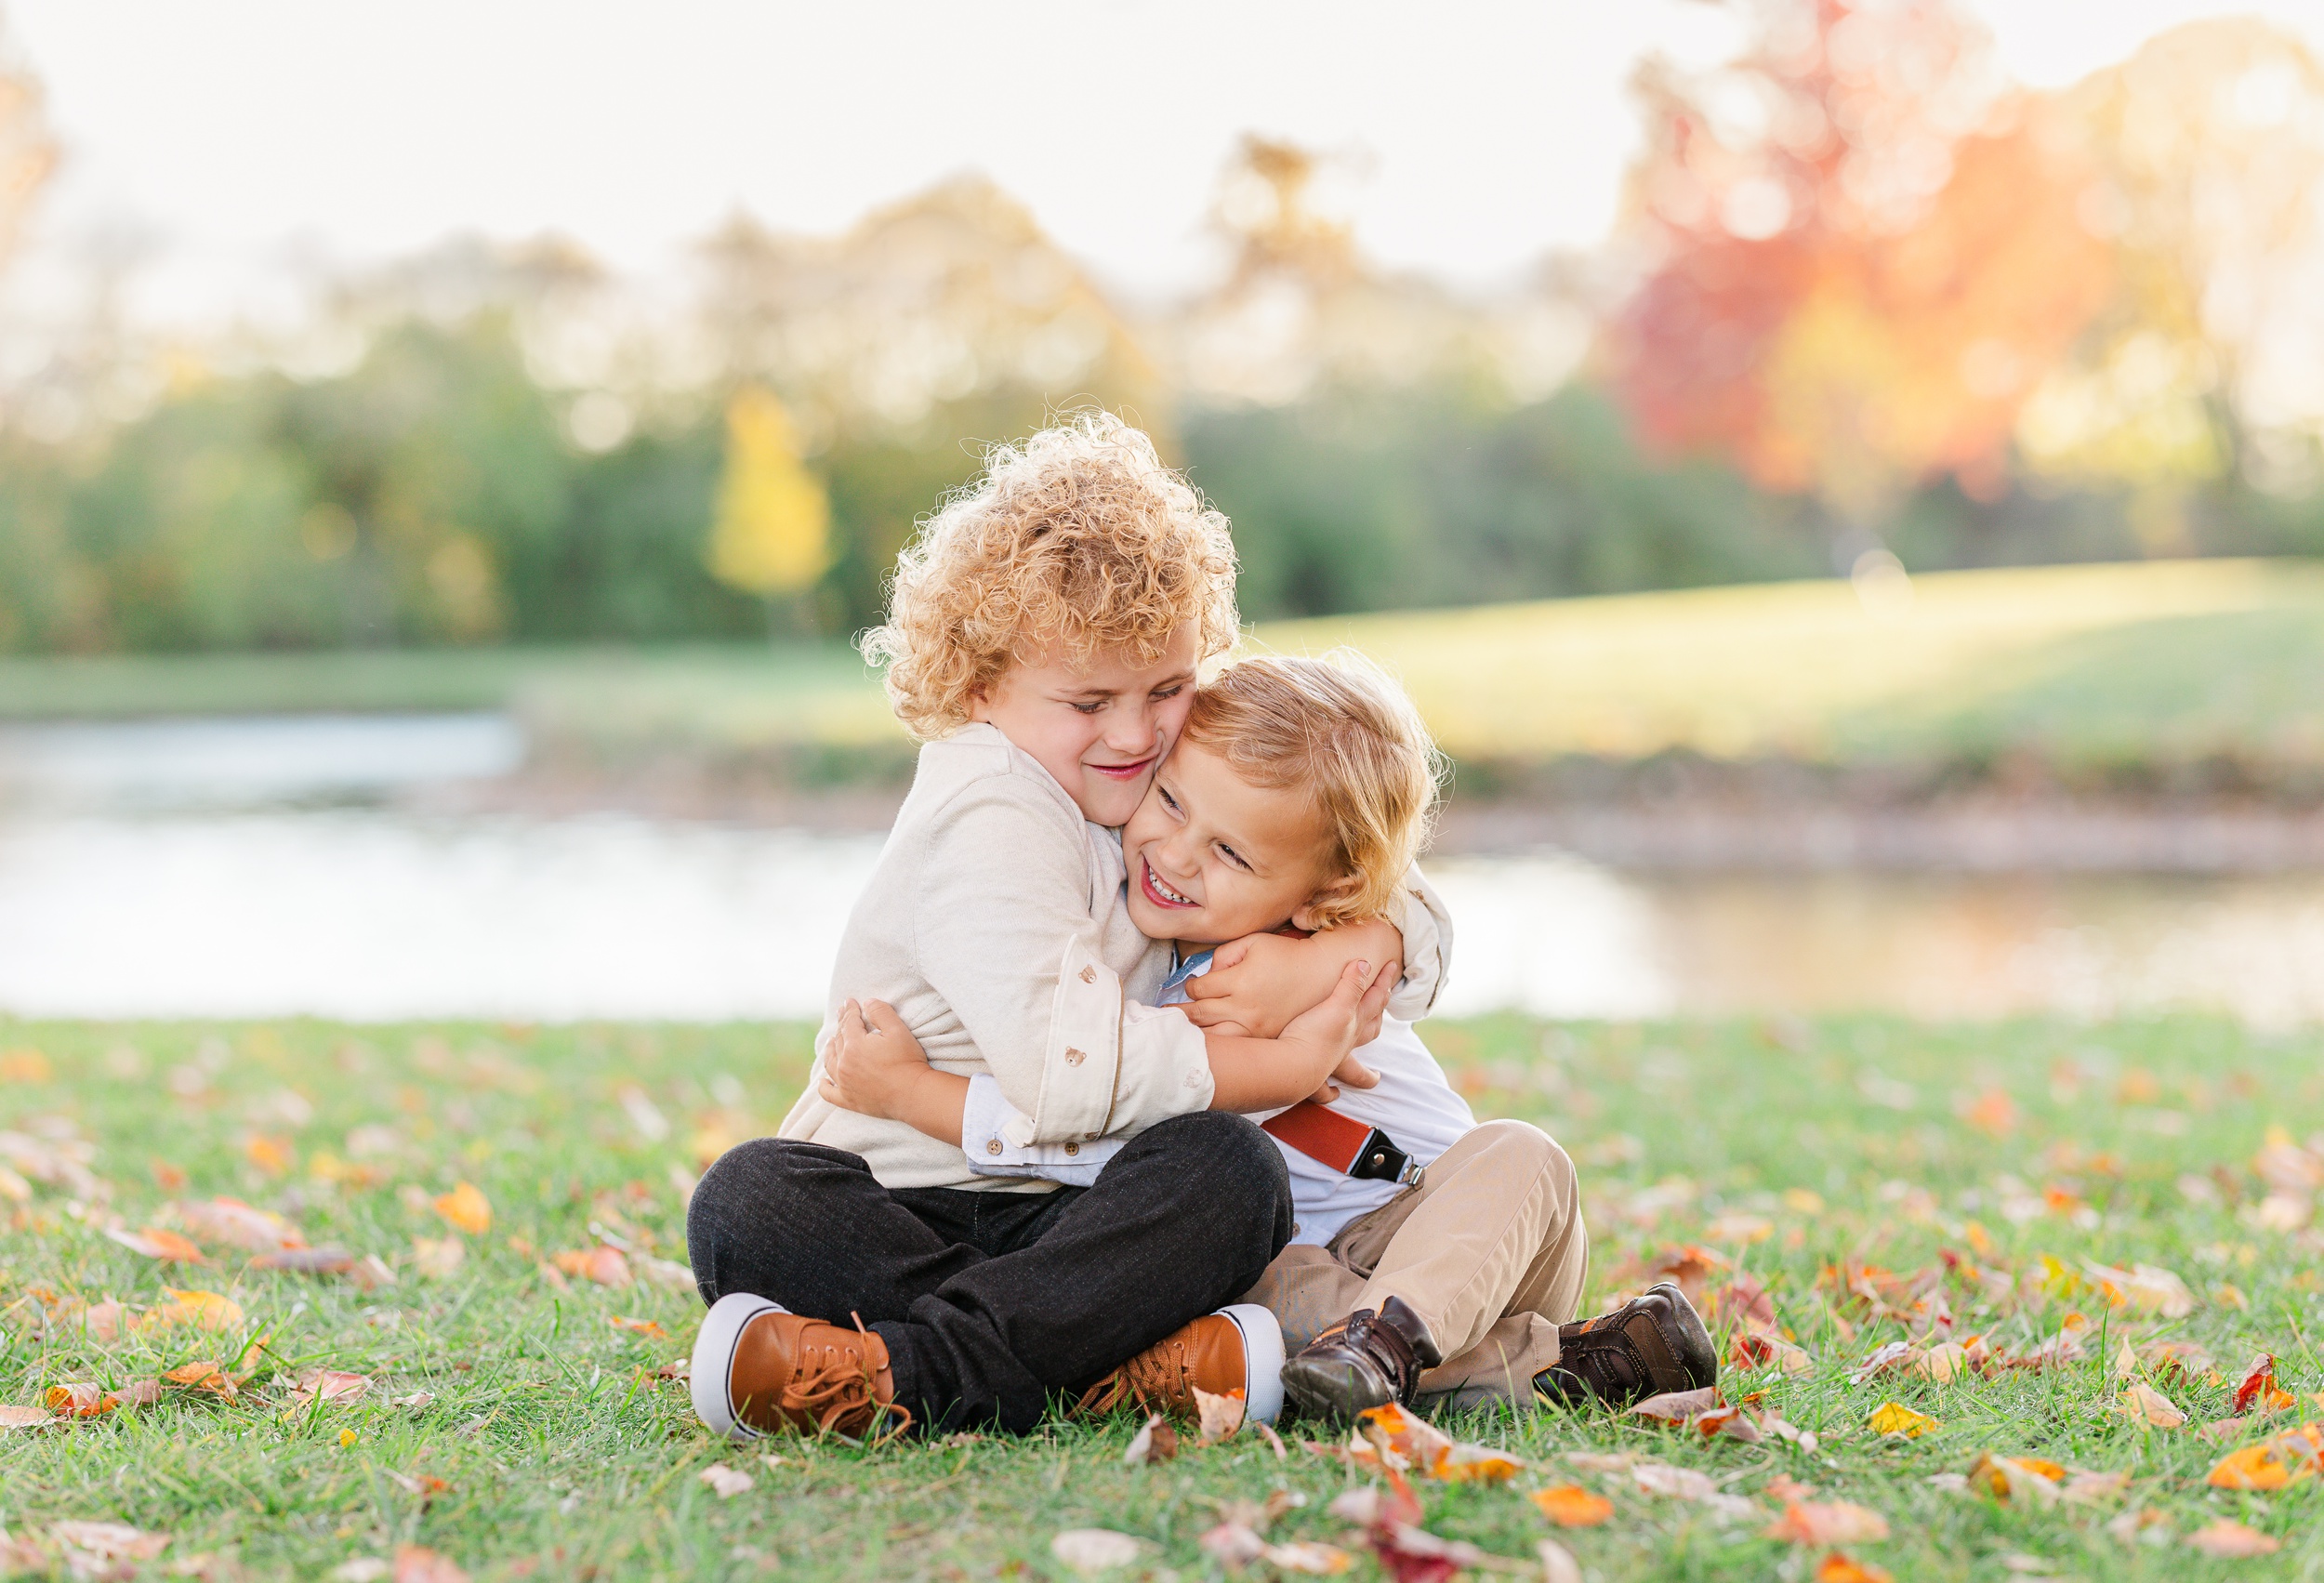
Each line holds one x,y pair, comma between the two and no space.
1894,1418
465,1207
208,1310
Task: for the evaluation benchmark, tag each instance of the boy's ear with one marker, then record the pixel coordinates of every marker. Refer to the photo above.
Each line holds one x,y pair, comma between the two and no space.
1335,890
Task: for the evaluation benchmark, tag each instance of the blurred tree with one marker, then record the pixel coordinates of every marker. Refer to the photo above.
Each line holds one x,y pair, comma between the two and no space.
2208,149
28,150
772,533
1862,256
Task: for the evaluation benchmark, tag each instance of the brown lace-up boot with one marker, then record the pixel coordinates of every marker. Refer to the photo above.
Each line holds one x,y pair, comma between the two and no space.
1238,1349
758,1370
1368,1360
1653,1343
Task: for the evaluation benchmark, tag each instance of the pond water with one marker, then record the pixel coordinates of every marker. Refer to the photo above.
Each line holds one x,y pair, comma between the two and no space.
264,867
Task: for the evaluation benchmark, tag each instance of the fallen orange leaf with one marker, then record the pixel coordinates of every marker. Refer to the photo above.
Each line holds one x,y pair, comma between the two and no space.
205,1309
2253,1466
328,1384
415,1563
271,1155
642,1327
203,1376
80,1398
1465,1463
1570,1505
168,1246
465,1207
2144,1404
1842,1568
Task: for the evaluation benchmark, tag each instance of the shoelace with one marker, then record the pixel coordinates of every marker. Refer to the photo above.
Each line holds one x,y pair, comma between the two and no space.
840,1390
1159,1374
1383,1343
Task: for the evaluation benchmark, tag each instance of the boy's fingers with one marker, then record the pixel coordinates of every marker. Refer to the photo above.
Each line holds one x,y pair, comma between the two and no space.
1208,1013
880,1015
1355,1074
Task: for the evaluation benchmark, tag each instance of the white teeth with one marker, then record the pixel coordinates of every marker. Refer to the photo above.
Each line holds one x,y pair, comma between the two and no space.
1164,891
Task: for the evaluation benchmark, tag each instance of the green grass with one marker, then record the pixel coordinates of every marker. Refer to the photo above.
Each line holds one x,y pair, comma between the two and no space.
565,1456
2097,671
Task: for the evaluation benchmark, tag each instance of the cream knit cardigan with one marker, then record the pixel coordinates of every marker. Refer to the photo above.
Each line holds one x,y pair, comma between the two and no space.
994,923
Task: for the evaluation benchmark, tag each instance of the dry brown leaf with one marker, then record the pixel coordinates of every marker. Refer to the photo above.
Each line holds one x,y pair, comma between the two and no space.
307,1260
1220,1415
1818,1522
104,1322
2225,1537
726,1482
1677,1407
1896,1357
606,1266
1092,1550
330,1385
1309,1558
231,1220
1154,1442
415,1563
1558,1564
466,1209
24,1417
140,1392
104,1542
2142,1403
1233,1545
154,1243
437,1258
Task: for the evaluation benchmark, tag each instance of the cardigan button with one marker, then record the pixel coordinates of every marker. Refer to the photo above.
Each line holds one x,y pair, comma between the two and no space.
1073,1148
1075,1057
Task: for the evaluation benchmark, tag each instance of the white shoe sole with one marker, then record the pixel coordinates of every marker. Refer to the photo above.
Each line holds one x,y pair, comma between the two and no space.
1262,1361
711,1377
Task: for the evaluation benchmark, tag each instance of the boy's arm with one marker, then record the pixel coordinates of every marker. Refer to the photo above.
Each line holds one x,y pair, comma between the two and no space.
873,1066
1008,934
1259,983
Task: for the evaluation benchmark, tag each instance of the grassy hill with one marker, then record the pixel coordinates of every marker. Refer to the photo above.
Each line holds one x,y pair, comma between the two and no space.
2090,669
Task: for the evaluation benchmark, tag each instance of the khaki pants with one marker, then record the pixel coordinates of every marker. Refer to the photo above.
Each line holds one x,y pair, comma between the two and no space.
1489,1248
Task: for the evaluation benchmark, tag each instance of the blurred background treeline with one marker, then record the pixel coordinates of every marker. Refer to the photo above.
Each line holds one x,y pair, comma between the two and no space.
1868,300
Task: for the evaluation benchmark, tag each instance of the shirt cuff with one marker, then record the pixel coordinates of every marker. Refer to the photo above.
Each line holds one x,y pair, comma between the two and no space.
990,1126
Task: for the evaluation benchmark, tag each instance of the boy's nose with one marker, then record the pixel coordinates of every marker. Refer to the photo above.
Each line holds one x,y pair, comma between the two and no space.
1130,731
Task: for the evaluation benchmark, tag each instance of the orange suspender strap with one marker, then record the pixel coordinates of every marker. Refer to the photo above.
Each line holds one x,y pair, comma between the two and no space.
1347,1145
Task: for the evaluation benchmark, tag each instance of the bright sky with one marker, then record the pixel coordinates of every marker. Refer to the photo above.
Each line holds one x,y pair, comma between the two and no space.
238,136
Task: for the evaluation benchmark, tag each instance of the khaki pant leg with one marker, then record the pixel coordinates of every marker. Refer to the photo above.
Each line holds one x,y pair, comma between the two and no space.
1495,1228
1309,1291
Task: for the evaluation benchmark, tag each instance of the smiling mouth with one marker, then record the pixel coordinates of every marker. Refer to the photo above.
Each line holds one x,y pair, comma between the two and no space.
1161,895
1123,771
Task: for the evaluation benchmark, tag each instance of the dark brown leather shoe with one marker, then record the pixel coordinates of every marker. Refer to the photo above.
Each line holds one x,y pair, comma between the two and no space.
1368,1360
1653,1343
758,1370
1238,1349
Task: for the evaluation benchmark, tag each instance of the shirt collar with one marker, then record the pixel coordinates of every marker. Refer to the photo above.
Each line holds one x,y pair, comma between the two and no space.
1183,969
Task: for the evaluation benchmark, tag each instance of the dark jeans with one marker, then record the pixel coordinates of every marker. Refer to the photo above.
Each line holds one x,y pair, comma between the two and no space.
989,1301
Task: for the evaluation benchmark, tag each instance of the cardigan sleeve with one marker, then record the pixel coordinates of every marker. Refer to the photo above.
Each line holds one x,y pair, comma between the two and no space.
1003,934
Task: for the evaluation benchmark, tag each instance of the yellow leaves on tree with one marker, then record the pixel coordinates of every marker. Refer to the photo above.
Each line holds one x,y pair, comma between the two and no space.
772,534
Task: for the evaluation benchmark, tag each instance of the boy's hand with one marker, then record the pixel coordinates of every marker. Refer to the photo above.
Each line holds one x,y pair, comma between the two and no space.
1350,1073
1332,1029
873,1065
1261,981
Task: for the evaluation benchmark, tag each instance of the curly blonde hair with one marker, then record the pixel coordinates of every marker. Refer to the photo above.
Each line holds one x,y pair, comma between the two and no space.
1079,538
1340,731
